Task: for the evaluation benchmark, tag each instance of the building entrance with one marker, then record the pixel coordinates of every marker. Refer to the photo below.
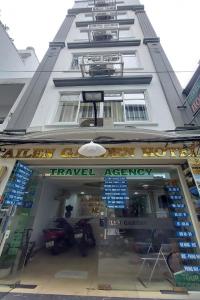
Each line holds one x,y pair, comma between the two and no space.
138,217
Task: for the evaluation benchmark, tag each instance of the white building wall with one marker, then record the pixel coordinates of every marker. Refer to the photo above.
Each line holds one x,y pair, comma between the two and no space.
44,215
11,63
156,102
16,67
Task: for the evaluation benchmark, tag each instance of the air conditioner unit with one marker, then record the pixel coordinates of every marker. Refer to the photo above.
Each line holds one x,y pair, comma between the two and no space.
89,122
102,65
101,70
104,17
99,36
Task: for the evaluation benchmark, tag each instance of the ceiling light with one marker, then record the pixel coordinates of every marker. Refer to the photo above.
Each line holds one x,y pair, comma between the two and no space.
145,186
91,150
136,193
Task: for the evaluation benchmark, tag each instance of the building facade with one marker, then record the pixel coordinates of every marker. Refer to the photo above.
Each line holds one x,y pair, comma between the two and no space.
16,69
105,78
192,96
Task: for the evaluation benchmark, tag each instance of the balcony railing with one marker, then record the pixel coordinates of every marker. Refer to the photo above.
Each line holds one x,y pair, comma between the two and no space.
103,32
103,3
102,65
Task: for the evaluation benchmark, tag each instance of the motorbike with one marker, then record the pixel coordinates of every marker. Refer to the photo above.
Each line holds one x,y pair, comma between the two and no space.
59,239
84,236
64,236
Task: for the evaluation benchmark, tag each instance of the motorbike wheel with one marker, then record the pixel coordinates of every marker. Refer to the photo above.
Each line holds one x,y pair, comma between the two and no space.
56,249
83,249
93,243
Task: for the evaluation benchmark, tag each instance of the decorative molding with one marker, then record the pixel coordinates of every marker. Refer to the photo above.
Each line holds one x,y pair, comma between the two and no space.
137,79
131,7
79,45
121,22
57,44
151,40
64,29
149,33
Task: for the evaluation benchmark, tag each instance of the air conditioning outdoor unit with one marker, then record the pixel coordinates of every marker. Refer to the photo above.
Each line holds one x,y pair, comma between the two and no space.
104,17
101,70
89,122
99,36
102,65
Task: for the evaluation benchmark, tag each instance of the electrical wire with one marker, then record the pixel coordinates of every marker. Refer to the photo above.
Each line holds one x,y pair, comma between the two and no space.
78,71
173,140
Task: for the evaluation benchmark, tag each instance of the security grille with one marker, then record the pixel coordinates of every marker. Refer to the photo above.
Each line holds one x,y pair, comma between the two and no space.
102,65
103,32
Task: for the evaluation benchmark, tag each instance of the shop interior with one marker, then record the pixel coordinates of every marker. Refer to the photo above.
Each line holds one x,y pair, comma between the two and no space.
131,243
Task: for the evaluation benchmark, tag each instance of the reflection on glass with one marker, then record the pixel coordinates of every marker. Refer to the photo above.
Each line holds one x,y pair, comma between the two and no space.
151,243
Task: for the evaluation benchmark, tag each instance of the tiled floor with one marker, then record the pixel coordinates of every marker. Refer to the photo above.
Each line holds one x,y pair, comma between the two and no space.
70,274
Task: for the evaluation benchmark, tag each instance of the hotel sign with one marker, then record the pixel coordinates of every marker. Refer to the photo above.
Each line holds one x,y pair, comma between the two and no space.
113,152
194,97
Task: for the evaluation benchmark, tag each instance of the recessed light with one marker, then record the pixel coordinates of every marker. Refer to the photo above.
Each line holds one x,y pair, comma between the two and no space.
145,186
136,193
82,193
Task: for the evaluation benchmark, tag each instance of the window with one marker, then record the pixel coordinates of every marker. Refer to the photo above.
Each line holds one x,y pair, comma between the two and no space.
76,62
118,107
135,107
130,60
68,108
126,107
113,107
87,110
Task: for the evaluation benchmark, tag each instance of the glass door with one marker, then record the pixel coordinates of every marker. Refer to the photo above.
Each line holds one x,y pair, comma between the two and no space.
16,225
149,244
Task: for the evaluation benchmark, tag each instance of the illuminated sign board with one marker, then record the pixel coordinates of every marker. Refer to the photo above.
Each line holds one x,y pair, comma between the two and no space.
193,98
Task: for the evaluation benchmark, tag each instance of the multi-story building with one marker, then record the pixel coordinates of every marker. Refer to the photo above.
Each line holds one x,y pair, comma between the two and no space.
16,69
105,78
192,96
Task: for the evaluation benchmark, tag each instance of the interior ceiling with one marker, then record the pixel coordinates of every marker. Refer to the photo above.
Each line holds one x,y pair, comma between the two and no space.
96,184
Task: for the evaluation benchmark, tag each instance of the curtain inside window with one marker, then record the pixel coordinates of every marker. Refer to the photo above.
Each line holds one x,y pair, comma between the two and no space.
114,110
68,111
87,110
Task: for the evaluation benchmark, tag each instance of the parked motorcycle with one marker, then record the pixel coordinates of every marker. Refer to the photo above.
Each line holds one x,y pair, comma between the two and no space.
64,236
59,239
84,236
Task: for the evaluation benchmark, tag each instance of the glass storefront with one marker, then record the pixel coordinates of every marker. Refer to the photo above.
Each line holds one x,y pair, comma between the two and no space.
144,235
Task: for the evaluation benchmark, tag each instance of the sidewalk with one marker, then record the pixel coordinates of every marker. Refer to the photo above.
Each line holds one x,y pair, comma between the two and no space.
13,296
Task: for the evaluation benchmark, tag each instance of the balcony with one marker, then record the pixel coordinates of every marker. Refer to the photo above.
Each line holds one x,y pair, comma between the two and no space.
102,65
103,32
